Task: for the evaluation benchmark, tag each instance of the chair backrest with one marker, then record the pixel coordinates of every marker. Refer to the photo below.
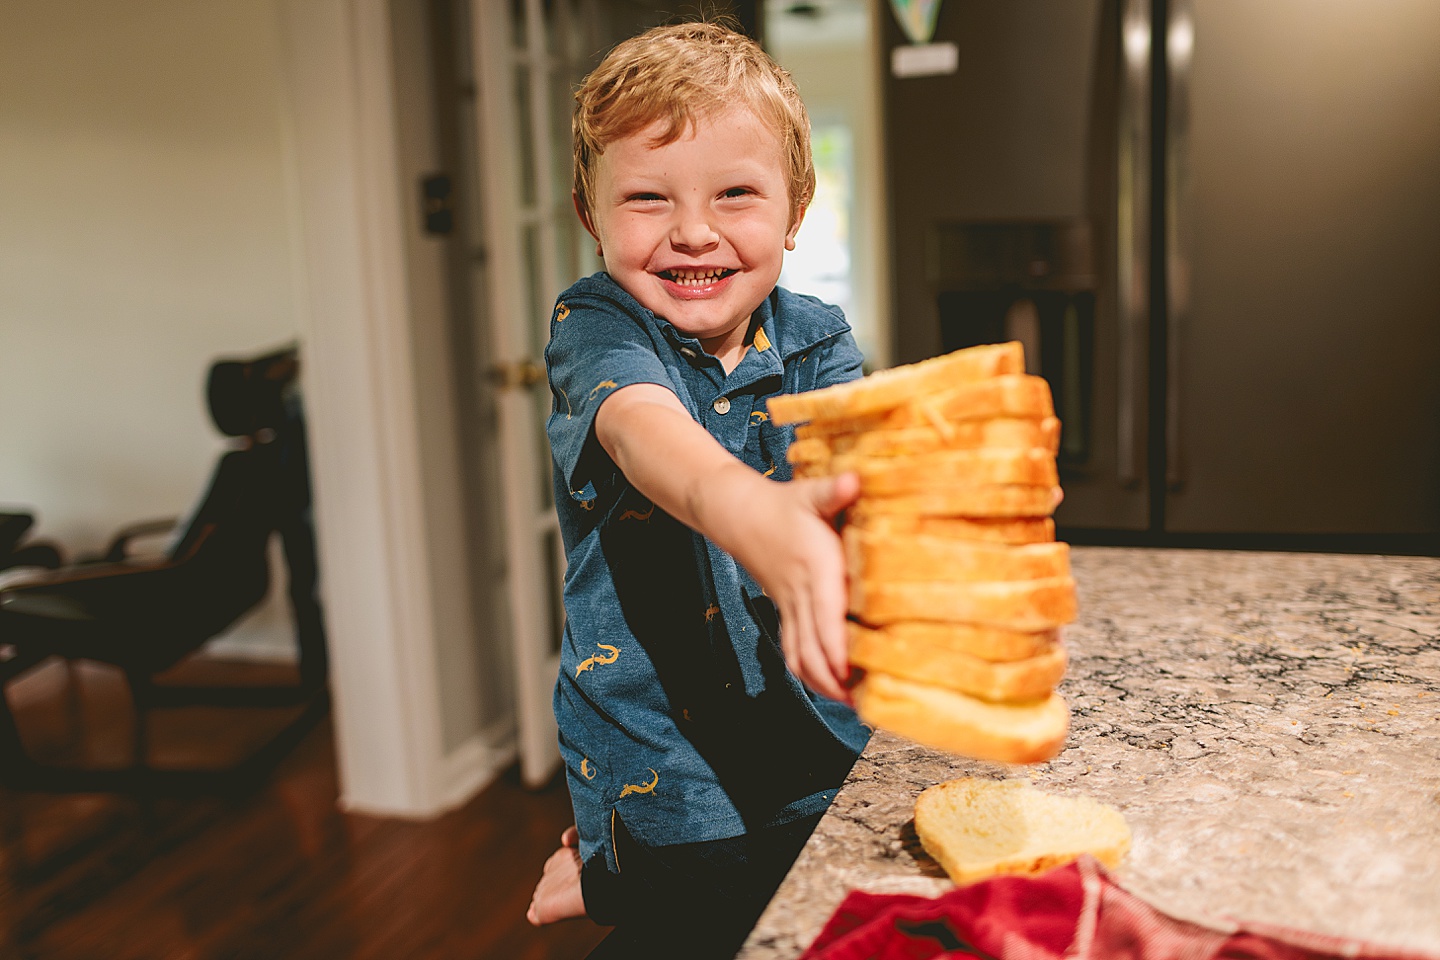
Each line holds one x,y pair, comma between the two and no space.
259,487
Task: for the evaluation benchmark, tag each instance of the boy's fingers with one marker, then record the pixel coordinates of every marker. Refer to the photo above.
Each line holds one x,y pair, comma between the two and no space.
570,838
818,674
823,658
833,494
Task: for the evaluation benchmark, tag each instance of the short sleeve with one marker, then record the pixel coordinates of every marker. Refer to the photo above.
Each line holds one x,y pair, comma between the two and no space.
595,349
837,360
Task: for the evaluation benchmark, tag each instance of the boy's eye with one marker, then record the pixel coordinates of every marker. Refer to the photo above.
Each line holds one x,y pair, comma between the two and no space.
645,197
738,192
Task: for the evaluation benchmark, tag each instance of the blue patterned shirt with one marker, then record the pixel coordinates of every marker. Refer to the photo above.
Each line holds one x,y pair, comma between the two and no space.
674,704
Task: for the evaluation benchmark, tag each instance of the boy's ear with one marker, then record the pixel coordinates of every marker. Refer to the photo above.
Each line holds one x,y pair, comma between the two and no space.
585,220
795,227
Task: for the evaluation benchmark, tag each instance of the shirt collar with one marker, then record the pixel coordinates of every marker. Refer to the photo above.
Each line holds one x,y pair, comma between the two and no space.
790,323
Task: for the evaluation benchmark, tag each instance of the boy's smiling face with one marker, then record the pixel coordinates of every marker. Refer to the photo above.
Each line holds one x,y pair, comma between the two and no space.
696,230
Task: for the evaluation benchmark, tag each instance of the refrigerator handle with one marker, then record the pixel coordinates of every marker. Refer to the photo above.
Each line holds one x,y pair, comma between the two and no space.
1132,232
1179,52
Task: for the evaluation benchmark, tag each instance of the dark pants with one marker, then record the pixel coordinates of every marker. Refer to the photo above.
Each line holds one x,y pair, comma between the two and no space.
691,900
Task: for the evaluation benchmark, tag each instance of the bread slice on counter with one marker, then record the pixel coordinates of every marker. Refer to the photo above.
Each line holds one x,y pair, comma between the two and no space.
1028,679
1026,732
887,389
1026,605
982,828
903,558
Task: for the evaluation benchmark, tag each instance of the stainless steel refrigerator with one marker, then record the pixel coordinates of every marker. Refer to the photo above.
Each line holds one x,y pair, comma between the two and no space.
1216,226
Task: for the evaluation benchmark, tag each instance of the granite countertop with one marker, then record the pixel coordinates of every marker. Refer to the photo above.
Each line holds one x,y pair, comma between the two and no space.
1269,725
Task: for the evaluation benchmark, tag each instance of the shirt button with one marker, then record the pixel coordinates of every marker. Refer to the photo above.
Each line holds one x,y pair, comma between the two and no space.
687,353
722,405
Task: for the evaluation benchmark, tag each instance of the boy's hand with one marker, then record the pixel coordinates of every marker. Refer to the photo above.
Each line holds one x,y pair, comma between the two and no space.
798,559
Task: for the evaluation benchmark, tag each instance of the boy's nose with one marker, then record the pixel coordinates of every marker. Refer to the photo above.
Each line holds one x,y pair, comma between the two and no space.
693,232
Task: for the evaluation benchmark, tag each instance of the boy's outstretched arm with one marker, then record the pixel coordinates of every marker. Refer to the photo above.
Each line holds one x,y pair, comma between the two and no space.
780,532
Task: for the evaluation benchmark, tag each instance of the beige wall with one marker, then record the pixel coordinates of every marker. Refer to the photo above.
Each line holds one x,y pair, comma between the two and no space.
833,62
147,225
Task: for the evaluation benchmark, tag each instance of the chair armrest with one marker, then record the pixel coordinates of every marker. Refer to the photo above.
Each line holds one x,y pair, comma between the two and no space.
119,549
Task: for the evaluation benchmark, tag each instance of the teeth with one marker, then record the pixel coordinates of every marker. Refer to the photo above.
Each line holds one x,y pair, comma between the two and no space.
695,278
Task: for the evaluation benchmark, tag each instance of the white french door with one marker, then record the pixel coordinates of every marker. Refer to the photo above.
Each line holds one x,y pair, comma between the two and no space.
527,56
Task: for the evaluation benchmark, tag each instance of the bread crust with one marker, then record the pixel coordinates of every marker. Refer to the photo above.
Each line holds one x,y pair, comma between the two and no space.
1029,732
1007,500
897,476
1009,395
1031,678
1026,605
888,389
988,643
919,557
815,445
1015,530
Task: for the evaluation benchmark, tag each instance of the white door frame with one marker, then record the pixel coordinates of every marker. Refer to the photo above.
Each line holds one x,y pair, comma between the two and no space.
532,527
366,452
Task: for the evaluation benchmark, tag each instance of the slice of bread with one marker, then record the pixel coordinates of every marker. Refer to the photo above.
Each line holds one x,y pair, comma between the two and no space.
1007,500
1011,395
887,389
992,530
987,643
820,446
918,557
898,476
1027,732
944,666
1024,605
982,828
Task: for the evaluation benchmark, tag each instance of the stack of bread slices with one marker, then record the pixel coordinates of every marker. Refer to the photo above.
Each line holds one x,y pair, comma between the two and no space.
957,585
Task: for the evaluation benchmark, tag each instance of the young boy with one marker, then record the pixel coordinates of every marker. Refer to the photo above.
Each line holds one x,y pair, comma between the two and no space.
698,763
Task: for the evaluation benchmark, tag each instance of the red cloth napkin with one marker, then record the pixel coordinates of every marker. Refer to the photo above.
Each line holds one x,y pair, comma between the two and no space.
1075,912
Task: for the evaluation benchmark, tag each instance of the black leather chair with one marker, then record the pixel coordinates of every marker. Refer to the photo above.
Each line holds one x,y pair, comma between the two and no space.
16,551
145,616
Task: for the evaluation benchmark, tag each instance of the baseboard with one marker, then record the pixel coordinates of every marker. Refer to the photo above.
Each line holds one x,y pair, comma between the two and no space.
473,766
252,649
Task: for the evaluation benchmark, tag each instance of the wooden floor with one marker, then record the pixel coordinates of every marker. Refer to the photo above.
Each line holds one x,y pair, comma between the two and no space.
278,873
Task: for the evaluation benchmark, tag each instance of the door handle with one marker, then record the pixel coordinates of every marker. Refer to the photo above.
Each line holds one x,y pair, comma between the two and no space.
1179,51
517,373
1132,275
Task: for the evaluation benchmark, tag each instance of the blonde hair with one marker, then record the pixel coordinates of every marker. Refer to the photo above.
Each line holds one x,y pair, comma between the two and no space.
677,75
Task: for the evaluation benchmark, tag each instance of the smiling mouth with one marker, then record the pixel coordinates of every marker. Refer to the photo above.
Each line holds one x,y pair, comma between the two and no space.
694,278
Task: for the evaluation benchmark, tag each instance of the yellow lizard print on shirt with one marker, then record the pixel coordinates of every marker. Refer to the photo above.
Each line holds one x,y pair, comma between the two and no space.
569,408
710,612
590,662
603,385
770,471
761,341
561,312
637,515
641,788
586,771
758,416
